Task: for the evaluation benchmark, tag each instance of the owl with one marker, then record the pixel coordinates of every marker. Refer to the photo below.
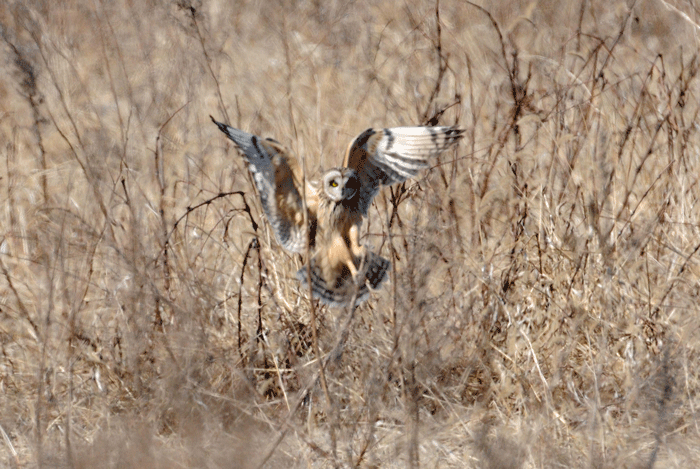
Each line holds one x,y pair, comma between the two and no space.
340,269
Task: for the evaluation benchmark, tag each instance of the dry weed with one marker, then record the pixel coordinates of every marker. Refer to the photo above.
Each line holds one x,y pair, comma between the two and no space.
544,296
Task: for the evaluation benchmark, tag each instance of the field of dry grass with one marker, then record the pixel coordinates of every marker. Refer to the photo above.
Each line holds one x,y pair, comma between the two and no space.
543,306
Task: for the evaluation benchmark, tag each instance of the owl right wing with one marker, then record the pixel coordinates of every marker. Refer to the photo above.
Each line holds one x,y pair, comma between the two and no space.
277,179
387,156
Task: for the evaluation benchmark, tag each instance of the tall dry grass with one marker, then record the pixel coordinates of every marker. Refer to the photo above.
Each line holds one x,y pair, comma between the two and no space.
544,295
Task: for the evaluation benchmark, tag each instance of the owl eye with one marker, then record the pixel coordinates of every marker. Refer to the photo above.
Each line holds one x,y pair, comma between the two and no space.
334,184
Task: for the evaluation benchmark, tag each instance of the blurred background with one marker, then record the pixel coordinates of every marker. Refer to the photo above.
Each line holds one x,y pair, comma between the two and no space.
542,309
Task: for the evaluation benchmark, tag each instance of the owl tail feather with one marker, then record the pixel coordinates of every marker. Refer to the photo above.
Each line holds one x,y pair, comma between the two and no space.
375,271
342,291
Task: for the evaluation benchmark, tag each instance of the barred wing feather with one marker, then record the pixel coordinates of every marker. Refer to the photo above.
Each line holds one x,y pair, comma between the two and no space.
275,176
388,156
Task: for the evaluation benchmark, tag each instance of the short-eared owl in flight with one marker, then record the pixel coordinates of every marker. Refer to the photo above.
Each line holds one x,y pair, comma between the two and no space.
341,268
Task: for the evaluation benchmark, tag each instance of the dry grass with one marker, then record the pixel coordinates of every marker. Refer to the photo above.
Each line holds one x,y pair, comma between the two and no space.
543,304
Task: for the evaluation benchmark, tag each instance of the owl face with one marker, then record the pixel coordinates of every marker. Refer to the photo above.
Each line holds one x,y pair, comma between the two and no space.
340,184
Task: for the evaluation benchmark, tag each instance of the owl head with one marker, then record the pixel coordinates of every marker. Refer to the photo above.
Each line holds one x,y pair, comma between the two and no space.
340,184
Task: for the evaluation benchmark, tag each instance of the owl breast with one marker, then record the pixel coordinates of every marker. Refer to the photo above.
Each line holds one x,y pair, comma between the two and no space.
343,215
337,218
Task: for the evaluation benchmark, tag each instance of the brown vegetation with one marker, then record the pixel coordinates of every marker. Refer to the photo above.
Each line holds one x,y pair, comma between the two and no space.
544,295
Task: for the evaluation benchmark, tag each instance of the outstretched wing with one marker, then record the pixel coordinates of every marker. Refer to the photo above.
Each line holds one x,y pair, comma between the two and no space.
276,176
387,156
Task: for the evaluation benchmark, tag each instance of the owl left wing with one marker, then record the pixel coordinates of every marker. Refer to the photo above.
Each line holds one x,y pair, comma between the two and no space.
276,177
387,156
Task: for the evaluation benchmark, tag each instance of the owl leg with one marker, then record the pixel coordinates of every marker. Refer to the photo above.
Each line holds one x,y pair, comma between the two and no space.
346,250
341,254
353,269
357,250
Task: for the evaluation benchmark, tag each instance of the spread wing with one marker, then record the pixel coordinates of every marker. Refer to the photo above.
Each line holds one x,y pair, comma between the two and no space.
277,178
387,156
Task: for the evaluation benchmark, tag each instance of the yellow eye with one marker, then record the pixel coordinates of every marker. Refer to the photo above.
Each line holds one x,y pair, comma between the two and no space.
334,184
